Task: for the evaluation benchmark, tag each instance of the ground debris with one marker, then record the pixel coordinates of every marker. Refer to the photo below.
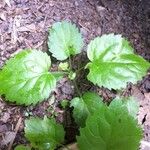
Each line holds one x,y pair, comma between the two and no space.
25,24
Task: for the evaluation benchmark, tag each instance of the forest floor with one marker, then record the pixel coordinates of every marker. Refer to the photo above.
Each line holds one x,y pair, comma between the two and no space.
25,24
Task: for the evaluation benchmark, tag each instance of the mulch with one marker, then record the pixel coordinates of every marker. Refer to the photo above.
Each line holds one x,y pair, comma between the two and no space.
25,23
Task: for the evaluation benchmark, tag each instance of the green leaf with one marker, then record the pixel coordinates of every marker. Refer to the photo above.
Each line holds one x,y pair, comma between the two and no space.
44,134
64,103
72,75
113,62
64,40
110,128
22,147
85,106
130,103
25,79
63,66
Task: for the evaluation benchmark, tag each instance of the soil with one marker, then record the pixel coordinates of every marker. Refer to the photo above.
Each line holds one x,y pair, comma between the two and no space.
25,24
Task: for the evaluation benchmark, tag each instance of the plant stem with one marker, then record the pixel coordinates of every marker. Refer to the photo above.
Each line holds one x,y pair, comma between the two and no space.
70,64
60,72
77,89
74,81
80,69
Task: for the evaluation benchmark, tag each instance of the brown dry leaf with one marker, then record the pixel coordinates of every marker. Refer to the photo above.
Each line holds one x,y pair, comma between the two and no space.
137,94
144,115
144,110
147,96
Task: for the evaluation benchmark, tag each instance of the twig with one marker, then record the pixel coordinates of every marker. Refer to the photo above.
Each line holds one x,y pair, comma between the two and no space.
16,130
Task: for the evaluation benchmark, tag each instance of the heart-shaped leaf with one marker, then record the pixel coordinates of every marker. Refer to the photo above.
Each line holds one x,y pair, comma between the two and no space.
113,63
110,128
85,106
64,40
25,79
44,134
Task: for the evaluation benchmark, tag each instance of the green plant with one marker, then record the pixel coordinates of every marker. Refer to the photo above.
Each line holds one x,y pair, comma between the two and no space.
110,128
64,40
22,147
84,106
113,62
44,134
26,79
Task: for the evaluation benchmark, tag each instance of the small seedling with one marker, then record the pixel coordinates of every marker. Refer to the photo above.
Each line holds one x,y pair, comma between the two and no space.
26,79
64,103
63,66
